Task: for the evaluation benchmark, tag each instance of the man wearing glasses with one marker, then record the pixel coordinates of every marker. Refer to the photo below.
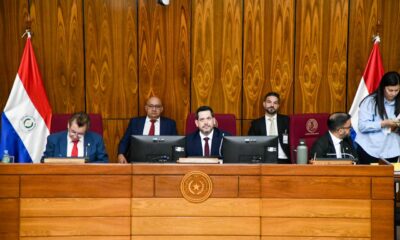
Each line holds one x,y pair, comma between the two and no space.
336,143
152,124
77,141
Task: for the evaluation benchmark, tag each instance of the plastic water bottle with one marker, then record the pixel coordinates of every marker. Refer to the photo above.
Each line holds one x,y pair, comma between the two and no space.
6,157
302,152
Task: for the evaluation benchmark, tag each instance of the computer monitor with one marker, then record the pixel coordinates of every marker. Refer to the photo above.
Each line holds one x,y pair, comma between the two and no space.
156,149
250,149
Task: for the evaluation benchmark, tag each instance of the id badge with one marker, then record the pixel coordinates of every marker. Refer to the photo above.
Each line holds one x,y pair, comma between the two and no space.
285,138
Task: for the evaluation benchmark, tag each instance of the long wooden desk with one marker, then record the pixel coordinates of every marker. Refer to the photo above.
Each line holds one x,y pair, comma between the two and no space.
145,202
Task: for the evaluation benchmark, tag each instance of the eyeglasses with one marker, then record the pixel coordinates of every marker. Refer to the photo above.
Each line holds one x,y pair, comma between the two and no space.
346,127
154,106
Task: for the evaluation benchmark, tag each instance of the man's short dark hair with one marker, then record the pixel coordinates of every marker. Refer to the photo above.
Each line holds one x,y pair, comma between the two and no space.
202,109
82,119
337,120
275,94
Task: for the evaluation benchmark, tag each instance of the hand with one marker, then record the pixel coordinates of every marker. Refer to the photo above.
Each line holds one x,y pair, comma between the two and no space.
122,159
390,123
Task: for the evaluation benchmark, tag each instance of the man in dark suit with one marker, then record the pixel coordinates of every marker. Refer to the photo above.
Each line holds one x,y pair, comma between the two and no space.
77,141
207,140
152,124
336,143
273,124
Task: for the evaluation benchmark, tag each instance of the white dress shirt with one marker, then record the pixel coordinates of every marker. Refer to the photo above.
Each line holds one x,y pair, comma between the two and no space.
147,125
70,144
281,153
336,143
203,143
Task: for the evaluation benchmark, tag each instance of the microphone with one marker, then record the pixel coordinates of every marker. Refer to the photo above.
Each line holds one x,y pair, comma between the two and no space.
345,154
348,155
220,145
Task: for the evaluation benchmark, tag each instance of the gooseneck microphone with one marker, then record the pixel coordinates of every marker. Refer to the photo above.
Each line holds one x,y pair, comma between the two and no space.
87,151
220,145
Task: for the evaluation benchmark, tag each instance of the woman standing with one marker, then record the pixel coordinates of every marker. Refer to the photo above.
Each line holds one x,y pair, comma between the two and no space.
379,122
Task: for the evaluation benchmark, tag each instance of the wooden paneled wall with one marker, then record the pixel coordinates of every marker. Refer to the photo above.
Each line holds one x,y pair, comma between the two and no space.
109,56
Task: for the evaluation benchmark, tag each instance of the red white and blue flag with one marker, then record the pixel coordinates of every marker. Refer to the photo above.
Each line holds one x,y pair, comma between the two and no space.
368,84
26,119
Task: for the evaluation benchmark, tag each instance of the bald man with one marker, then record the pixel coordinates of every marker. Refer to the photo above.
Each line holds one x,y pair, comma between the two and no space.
152,124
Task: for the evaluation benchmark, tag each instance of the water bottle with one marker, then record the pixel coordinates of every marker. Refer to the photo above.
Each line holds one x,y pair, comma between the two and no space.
6,157
302,152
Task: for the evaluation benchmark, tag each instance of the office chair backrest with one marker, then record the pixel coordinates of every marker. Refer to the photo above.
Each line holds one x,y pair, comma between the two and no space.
226,122
308,126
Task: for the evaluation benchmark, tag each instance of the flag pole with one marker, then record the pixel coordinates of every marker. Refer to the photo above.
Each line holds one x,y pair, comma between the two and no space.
28,24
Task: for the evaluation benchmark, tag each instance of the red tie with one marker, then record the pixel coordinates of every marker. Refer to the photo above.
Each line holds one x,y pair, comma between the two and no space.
74,152
206,147
152,128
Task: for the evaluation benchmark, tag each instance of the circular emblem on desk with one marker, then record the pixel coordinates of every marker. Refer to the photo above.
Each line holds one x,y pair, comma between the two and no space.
312,125
196,186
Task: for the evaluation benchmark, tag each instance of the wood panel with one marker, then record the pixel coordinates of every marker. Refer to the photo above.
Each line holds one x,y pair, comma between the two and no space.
13,14
78,238
311,238
75,186
164,56
362,25
389,16
168,207
114,130
246,126
9,218
58,44
196,226
321,47
249,186
61,169
324,227
382,188
143,186
111,58
195,237
210,169
9,186
75,207
268,61
382,219
318,170
169,186
217,55
316,187
339,208
75,226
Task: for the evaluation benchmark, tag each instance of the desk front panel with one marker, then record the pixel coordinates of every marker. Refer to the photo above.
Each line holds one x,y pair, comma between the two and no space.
144,202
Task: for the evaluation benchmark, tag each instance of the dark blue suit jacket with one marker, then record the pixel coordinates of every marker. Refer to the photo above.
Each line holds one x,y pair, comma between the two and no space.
136,126
193,143
94,146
